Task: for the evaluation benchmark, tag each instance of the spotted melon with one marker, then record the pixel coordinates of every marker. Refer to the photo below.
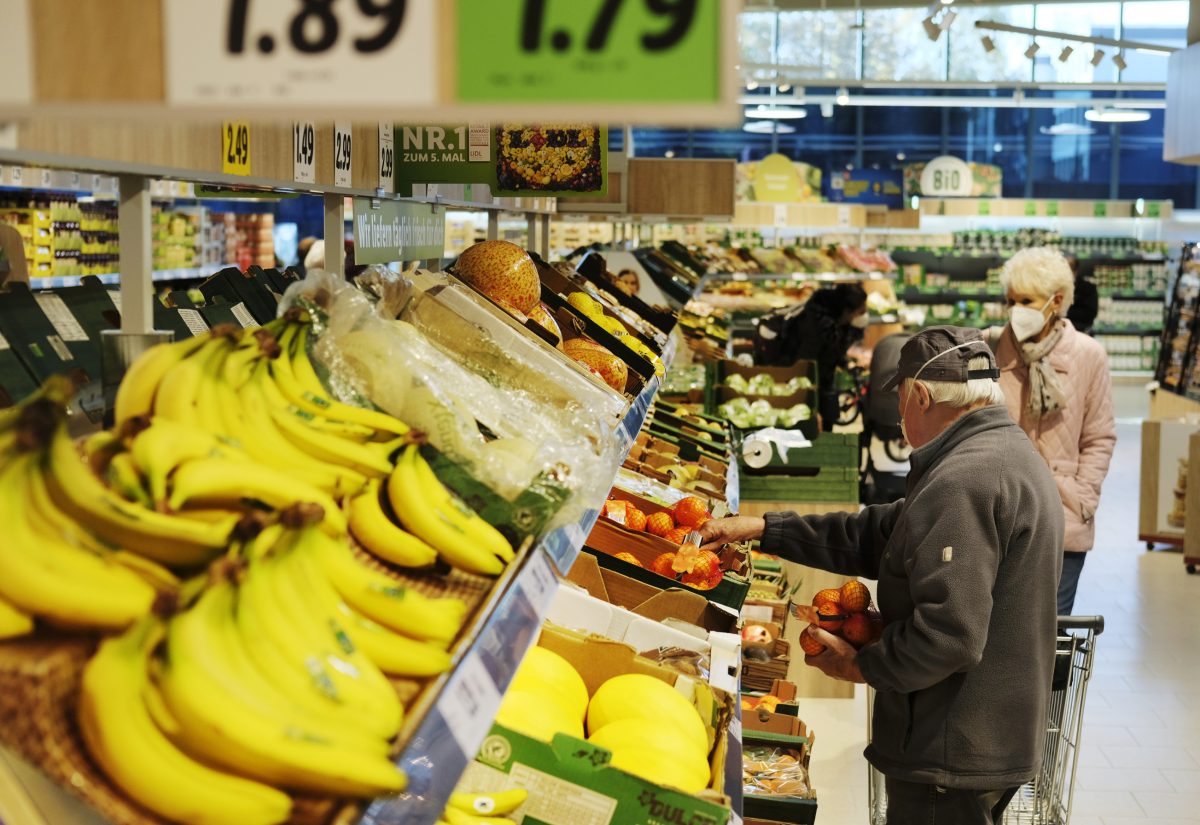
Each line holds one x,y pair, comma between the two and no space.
502,271
611,368
541,315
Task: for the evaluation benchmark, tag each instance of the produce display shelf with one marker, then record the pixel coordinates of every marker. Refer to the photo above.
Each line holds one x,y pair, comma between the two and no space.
822,277
1128,329
948,297
1132,295
114,279
451,730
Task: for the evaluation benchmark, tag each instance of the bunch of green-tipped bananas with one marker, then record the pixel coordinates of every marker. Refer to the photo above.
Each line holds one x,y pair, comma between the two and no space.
272,677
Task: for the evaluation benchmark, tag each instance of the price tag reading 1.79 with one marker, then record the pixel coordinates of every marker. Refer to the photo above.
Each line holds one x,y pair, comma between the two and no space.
318,52
586,51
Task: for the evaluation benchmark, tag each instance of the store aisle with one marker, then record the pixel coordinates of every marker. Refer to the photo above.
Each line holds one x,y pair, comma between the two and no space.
1140,758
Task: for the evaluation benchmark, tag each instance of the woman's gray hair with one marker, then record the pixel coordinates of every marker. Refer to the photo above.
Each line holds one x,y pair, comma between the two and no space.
963,394
1040,272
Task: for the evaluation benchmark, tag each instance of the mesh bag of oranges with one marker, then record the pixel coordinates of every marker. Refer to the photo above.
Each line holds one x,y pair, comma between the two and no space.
844,612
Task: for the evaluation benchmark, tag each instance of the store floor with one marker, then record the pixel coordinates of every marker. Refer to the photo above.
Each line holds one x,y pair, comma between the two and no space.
1140,756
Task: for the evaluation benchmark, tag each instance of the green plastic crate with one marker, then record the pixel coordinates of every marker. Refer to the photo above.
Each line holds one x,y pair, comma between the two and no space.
829,484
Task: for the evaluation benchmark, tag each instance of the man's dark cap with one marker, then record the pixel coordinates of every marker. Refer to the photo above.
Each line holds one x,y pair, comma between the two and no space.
950,366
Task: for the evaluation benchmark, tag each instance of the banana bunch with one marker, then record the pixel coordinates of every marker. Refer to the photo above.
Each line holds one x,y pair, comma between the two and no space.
65,555
483,808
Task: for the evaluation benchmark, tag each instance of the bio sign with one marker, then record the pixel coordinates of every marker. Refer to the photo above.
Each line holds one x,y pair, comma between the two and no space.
513,159
388,230
950,177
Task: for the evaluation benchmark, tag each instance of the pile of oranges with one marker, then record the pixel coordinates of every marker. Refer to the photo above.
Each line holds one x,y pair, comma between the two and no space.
844,612
687,514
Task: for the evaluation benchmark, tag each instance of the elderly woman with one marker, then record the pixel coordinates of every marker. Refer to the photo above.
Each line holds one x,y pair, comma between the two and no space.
1057,388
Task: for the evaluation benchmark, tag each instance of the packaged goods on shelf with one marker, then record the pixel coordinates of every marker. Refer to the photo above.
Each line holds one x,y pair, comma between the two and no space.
1133,353
1178,354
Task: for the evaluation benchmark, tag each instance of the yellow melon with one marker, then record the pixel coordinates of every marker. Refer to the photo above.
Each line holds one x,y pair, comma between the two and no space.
637,696
537,716
544,672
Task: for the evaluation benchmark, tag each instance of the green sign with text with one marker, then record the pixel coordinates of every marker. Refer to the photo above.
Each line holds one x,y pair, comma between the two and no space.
387,231
590,51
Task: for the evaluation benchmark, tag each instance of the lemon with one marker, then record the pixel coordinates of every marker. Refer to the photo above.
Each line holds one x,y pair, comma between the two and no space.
544,672
637,696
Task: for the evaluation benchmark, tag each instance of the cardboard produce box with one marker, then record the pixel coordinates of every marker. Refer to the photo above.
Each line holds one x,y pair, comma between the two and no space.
767,807
570,781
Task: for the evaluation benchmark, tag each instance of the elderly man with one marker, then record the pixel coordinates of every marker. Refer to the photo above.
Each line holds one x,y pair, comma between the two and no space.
967,565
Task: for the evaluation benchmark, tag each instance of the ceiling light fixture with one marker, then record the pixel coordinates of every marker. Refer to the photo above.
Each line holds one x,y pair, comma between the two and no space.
670,153
843,96
767,127
1032,50
1109,114
826,110
900,156
1120,63
777,112
1097,57
1066,53
784,88
989,45
992,25
948,20
932,30
752,85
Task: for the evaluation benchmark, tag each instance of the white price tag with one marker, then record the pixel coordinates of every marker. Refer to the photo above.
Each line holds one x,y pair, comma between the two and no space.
252,53
74,181
387,157
46,178
194,321
16,56
60,349
539,583
479,143
843,216
781,214
343,154
735,728
60,317
4,343
96,184
304,152
469,705
243,316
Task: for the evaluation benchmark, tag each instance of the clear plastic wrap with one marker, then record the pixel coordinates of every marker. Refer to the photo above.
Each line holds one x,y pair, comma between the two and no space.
775,771
499,427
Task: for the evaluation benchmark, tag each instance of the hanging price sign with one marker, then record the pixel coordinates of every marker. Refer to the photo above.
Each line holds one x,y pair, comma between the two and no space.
235,148
304,152
343,154
312,52
590,51
387,157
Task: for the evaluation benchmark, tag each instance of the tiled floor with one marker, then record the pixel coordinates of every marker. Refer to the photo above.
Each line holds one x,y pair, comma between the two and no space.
1140,755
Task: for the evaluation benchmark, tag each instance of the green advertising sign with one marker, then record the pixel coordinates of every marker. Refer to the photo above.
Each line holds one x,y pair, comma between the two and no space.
1052,209
985,208
568,160
589,51
387,231
1030,208
1153,209
1100,209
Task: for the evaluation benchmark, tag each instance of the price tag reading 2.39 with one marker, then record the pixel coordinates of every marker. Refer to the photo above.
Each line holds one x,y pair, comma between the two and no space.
589,51
321,52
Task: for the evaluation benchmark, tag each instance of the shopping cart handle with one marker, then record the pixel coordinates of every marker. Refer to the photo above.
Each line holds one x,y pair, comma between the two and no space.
1093,623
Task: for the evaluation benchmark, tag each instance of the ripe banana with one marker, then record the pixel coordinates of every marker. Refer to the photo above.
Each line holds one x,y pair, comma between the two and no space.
376,531
49,578
172,541
486,804
123,477
124,739
218,725
223,482
431,512
392,653
164,445
456,816
135,395
179,388
14,622
386,600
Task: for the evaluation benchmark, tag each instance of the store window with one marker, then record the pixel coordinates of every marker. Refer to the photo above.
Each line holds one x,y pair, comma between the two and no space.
1154,21
1070,163
1086,19
895,47
1144,174
971,61
820,44
996,136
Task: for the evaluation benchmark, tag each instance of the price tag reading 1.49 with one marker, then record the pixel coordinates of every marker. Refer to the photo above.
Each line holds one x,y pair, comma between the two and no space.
263,52
589,51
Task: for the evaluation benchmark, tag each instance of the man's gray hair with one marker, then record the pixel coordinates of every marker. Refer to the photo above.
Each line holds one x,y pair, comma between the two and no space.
960,394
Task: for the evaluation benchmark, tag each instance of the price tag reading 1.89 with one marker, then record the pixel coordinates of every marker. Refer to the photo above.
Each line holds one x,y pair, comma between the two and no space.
588,51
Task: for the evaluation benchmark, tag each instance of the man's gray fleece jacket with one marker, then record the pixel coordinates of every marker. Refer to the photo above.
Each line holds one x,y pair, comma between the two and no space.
968,565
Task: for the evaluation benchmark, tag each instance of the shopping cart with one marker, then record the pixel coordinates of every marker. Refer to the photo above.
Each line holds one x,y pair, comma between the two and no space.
1047,799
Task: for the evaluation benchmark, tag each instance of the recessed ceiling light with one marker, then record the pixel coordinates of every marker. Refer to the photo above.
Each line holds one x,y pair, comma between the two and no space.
670,153
900,156
1108,114
777,112
766,127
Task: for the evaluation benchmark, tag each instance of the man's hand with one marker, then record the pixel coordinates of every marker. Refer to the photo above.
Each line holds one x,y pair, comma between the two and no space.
715,532
837,660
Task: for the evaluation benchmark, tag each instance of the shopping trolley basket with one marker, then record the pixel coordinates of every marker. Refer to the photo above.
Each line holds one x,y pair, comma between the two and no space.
1047,799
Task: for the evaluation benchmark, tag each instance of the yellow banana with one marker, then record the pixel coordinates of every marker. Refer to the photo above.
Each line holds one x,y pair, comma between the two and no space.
431,513
49,578
223,482
217,725
456,816
321,403
123,477
14,622
122,736
164,445
179,389
135,395
151,572
388,601
166,539
485,534
376,531
392,653
100,448
486,804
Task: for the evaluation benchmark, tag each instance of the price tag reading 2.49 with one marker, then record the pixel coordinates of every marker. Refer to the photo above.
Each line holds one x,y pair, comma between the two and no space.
321,52
235,148
589,51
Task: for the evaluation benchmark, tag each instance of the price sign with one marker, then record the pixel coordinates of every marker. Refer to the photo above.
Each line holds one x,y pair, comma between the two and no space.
590,51
985,208
387,157
539,583
46,178
16,58
947,176
1100,209
235,148
17,176
1153,209
316,52
469,704
1052,209
343,154
1030,208
304,152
